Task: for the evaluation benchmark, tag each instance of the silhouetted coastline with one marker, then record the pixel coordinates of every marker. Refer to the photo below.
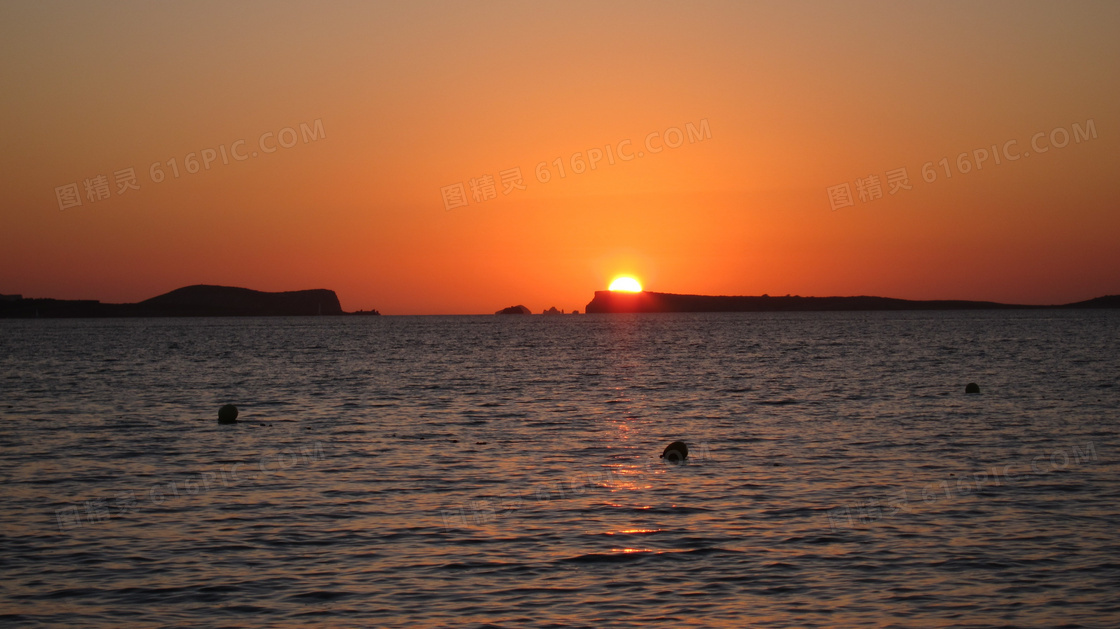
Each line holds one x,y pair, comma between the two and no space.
620,302
190,301
226,301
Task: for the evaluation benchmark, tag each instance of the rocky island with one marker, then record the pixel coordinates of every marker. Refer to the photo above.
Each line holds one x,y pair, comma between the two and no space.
190,301
606,301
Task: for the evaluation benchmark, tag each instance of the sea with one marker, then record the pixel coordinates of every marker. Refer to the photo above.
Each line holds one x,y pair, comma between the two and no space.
506,471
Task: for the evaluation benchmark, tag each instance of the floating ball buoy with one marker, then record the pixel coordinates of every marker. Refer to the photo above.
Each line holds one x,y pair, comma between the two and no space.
675,452
227,414
971,387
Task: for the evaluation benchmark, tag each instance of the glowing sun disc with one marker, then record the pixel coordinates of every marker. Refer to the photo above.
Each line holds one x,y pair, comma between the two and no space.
626,285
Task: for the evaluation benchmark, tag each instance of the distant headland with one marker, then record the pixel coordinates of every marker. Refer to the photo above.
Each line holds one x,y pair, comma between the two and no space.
190,301
606,301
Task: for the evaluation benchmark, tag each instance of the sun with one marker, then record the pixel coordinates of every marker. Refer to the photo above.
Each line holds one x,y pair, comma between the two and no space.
626,285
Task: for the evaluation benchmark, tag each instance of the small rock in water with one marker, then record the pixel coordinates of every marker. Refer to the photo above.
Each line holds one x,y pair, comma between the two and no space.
227,414
675,452
972,387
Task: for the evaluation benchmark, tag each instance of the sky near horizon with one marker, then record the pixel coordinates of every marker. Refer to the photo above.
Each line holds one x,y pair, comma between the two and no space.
920,150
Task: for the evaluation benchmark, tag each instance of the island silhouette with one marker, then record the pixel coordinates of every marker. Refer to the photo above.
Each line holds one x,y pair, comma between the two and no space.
190,301
203,300
606,301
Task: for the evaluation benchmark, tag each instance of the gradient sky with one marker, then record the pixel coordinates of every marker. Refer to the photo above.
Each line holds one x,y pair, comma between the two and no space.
413,97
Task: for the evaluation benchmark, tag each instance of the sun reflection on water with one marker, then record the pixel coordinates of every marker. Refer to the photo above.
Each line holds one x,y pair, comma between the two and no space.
633,531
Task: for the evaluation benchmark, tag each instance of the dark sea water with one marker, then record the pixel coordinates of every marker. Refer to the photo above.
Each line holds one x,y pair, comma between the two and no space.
504,471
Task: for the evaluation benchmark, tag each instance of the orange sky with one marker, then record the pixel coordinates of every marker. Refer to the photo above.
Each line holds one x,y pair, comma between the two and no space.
412,97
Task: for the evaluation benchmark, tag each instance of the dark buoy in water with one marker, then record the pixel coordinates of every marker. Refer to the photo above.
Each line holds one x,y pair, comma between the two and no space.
675,452
227,414
971,387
